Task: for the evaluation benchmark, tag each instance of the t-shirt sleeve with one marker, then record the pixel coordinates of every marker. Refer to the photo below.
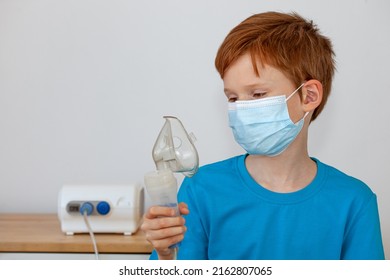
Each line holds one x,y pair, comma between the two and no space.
363,239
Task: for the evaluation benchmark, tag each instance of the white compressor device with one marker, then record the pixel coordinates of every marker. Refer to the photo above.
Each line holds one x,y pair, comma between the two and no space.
110,208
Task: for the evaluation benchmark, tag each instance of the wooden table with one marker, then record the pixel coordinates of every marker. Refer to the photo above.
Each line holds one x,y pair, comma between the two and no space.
41,233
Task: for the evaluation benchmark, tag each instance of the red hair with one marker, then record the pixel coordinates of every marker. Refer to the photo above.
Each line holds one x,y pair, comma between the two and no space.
285,41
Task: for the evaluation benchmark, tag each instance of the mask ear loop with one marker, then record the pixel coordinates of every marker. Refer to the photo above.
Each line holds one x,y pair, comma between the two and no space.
305,115
294,92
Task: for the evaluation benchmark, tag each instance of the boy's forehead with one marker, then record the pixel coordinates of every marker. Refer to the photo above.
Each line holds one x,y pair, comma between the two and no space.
243,71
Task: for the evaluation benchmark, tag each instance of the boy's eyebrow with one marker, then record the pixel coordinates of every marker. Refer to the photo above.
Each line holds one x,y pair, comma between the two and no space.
250,86
256,84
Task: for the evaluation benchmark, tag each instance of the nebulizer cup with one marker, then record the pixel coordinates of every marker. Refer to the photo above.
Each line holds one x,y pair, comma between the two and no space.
162,188
173,151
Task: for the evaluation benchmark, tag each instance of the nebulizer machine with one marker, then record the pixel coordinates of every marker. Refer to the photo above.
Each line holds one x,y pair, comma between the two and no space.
173,152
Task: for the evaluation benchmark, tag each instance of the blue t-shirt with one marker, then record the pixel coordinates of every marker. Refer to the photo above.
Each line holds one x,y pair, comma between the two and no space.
233,217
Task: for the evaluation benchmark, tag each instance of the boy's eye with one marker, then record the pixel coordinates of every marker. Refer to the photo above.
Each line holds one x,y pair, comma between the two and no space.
258,94
232,99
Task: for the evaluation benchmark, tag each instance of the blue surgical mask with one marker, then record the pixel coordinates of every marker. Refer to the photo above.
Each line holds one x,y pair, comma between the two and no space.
263,126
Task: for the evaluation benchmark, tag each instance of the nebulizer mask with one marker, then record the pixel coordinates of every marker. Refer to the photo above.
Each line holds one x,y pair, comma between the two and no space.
173,152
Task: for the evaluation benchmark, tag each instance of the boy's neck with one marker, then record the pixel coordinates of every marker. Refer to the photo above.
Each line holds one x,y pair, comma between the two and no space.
288,172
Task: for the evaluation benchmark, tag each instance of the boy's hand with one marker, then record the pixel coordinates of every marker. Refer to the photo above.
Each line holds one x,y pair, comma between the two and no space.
163,229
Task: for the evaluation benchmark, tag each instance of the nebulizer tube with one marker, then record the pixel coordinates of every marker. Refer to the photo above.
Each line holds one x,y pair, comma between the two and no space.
173,151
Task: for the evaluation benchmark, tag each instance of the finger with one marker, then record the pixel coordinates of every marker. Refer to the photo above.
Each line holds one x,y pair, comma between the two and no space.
163,245
166,233
183,209
158,211
162,222
183,204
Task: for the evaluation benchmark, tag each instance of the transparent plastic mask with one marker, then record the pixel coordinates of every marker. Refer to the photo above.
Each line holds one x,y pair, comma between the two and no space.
174,148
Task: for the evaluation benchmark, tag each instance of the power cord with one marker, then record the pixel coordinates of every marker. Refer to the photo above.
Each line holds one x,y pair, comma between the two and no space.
85,215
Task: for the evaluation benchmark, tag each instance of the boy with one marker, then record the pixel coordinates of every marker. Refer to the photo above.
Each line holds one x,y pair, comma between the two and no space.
275,202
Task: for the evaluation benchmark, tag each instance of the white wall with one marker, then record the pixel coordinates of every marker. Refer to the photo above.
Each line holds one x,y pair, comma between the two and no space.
84,85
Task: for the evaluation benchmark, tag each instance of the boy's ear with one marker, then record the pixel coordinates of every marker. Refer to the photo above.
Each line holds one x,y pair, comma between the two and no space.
311,95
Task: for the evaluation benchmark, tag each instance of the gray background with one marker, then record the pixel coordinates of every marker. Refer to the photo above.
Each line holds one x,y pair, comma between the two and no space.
84,85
